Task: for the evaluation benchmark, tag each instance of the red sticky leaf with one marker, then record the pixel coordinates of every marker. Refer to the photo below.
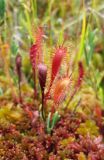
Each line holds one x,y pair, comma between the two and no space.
33,53
60,53
59,89
36,49
39,35
39,38
57,60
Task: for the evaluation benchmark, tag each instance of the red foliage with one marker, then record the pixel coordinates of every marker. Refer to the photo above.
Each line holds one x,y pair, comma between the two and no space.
59,90
57,60
60,53
36,144
81,74
33,53
36,49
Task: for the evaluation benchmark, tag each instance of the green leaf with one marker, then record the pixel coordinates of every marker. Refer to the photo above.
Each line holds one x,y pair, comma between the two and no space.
55,118
101,89
51,124
82,41
2,9
1,91
14,48
90,44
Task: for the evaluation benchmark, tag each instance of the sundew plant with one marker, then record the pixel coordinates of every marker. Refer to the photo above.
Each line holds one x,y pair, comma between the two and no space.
51,80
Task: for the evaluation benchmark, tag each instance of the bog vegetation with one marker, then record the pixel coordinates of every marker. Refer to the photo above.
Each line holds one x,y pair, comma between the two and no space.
51,80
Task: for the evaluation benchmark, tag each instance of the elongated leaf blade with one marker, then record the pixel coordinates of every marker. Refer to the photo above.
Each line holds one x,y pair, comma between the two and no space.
2,9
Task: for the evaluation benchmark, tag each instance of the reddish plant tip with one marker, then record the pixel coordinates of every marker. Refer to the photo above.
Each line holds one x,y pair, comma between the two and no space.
42,73
39,38
81,74
18,65
39,35
18,60
36,49
33,53
59,91
60,53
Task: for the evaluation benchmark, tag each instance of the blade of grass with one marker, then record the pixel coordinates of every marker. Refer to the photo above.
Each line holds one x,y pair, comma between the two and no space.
81,49
34,11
